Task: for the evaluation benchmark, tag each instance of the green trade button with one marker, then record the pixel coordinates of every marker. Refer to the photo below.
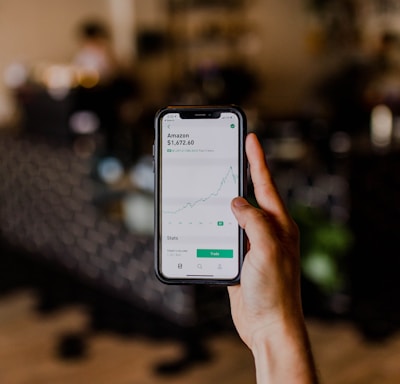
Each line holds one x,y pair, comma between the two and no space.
215,253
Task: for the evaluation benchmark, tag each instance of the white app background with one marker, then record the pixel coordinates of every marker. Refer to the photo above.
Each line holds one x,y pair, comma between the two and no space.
199,179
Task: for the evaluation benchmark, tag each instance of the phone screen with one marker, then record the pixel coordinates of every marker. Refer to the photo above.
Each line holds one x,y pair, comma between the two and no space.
200,171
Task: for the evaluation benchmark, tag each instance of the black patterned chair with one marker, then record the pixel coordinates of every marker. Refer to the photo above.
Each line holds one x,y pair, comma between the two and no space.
47,211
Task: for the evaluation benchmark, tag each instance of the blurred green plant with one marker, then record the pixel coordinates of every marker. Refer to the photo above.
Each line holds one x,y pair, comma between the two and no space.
324,245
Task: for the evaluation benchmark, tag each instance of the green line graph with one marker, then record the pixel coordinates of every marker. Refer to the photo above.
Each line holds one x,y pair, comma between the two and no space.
229,174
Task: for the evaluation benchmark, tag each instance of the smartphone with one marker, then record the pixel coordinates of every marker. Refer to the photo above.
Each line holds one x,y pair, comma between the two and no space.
200,167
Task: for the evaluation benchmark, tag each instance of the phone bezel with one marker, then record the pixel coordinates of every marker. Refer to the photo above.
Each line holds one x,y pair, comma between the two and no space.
200,112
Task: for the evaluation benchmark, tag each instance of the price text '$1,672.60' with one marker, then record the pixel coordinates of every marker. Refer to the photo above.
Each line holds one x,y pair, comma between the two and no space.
180,142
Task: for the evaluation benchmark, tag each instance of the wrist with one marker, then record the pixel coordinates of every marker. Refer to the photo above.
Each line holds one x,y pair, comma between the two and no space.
282,353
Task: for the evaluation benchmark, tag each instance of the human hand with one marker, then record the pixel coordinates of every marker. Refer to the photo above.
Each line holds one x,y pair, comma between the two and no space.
266,305
270,288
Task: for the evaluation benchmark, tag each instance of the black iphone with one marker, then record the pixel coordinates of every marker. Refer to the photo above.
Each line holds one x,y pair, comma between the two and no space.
200,166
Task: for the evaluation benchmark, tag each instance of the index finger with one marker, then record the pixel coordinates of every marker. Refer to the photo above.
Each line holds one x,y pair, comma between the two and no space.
265,191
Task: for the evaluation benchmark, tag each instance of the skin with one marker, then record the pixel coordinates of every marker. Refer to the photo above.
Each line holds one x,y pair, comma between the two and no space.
266,305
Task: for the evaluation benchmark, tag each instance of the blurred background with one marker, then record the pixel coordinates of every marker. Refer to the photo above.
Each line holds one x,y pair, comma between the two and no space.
80,83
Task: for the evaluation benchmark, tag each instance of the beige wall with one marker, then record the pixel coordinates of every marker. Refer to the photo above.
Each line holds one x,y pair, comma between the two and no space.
44,30
285,61
280,51
40,30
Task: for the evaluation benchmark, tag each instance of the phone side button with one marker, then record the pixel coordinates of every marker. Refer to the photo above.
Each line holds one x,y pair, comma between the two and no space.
153,164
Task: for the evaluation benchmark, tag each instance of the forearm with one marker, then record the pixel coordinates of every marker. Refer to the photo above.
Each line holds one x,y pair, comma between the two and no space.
284,356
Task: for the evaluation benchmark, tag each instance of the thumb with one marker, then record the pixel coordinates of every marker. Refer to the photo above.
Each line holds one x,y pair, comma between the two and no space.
253,220
239,208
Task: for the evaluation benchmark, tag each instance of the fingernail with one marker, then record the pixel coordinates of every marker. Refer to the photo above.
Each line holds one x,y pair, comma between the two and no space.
240,202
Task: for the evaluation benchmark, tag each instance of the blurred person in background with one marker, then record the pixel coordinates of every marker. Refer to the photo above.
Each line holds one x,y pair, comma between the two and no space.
95,55
103,88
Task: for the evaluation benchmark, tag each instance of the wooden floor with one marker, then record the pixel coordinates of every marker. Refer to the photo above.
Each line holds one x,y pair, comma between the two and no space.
28,345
